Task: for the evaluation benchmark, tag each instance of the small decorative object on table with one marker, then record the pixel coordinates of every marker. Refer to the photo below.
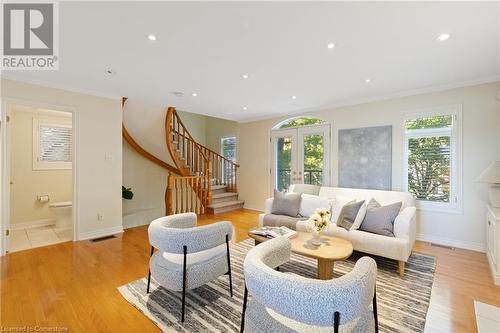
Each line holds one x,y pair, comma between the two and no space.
317,223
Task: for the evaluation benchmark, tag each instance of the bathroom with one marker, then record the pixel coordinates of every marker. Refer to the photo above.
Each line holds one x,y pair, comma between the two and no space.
40,162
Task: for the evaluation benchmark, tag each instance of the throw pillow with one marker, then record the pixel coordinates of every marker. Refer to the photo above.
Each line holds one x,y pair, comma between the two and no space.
349,214
312,202
380,219
286,203
340,202
360,217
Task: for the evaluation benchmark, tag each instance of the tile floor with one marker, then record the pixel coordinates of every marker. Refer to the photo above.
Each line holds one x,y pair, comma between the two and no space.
23,239
487,318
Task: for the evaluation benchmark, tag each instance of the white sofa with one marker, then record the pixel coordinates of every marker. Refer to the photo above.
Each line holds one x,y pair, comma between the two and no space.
398,248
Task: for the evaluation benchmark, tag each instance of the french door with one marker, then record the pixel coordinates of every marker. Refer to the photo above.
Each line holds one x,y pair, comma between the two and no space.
300,156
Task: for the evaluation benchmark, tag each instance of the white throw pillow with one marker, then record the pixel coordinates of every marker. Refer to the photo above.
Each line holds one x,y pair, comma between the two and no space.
359,217
312,202
340,202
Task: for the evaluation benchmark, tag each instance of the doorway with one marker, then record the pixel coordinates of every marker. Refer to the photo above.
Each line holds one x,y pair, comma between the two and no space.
39,152
300,153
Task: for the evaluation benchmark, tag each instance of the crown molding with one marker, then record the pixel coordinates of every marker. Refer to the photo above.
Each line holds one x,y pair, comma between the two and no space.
47,84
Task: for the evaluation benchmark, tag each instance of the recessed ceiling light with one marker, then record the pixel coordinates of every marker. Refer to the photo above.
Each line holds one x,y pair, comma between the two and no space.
245,76
245,108
443,37
294,97
178,94
368,80
109,71
194,94
151,37
331,45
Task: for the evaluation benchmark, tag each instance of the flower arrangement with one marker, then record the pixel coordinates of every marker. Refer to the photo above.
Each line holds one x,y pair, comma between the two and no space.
319,220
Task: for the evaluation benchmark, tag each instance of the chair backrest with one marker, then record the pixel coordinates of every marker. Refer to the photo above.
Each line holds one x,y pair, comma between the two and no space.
171,233
310,301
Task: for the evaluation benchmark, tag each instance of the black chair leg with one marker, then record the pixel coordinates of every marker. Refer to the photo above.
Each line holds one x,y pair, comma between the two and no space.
229,267
245,297
336,322
184,284
375,313
149,272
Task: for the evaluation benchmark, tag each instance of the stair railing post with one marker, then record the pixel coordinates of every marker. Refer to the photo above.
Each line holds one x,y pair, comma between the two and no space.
168,195
209,185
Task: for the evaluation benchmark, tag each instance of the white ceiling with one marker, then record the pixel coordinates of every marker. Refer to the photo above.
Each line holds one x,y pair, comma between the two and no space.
282,46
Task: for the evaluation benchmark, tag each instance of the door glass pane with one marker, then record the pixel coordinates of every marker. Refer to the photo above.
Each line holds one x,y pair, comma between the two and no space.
313,159
283,163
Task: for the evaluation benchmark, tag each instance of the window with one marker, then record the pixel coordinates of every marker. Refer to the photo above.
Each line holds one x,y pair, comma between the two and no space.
228,148
299,122
52,145
431,158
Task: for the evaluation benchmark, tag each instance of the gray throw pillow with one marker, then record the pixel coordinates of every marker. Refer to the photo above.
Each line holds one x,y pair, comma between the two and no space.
380,219
348,214
286,203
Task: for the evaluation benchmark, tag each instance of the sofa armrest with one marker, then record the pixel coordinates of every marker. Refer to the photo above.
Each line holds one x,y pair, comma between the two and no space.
405,225
268,205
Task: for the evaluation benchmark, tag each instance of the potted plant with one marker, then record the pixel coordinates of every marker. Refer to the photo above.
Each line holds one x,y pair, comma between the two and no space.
127,193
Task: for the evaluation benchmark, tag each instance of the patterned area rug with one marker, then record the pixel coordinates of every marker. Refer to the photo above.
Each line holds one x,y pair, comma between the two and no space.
402,302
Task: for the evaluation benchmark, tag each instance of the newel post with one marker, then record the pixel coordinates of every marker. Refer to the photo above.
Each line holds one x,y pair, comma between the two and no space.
209,186
168,195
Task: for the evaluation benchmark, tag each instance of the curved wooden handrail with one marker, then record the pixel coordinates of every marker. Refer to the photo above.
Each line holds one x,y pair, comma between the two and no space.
130,140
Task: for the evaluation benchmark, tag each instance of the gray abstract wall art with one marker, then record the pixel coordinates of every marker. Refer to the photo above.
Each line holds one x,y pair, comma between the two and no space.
365,158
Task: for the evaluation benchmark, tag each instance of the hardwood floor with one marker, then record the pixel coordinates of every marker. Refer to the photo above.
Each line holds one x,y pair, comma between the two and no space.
73,284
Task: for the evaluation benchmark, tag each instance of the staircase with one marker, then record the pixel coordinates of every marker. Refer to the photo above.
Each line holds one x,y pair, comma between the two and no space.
207,181
223,201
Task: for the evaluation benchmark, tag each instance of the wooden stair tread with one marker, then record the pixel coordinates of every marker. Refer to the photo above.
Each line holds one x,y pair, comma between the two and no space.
226,204
224,195
217,187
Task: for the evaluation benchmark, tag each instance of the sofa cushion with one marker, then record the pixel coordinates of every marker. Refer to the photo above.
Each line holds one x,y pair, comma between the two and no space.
286,203
305,189
348,214
380,219
272,220
340,202
312,202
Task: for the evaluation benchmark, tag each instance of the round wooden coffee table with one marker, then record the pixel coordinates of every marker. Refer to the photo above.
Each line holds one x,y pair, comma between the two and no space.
331,249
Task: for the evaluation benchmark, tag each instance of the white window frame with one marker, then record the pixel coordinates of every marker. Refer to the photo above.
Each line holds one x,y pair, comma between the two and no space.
455,132
45,165
235,144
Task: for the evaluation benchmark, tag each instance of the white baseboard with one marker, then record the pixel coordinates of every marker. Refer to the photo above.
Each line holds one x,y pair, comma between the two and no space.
101,232
258,209
480,247
494,273
32,224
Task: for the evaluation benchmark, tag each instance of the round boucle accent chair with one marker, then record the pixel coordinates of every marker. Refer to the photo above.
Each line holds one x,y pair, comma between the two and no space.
188,256
283,302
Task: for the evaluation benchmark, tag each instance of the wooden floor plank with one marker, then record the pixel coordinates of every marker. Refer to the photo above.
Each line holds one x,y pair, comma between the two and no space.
73,284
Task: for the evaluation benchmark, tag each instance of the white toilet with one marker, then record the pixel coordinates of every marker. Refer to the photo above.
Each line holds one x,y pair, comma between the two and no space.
62,211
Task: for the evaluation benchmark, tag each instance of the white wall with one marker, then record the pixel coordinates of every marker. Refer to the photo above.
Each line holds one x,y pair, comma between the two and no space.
27,183
99,157
481,144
